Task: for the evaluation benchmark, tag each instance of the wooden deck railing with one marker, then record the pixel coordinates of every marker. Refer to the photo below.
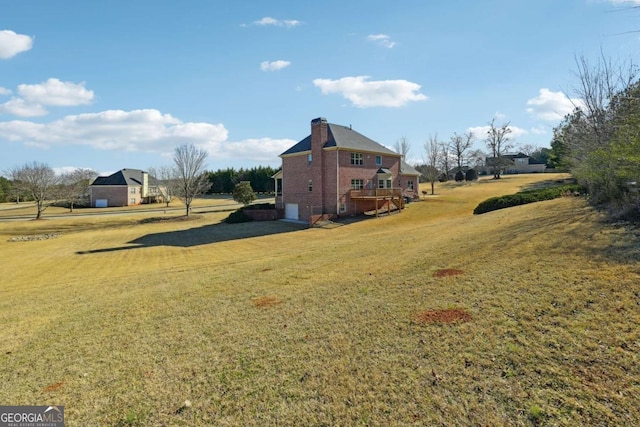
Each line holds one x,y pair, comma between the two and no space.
375,192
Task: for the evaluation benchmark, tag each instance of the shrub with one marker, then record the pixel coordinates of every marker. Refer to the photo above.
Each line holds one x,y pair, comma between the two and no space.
459,176
237,217
471,175
524,197
243,193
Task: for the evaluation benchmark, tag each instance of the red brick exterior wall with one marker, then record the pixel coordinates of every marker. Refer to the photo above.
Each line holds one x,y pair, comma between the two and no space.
331,173
116,195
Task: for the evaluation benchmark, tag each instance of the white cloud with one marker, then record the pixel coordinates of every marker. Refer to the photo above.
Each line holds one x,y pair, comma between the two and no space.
258,150
382,39
53,92
21,108
364,93
539,130
12,44
140,130
267,20
481,132
57,93
274,65
629,2
551,106
499,116
4,91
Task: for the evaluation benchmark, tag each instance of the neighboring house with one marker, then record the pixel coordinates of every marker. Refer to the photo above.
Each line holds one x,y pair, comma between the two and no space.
513,163
337,171
127,187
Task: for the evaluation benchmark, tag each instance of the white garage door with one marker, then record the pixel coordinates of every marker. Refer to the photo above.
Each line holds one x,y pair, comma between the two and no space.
102,203
291,211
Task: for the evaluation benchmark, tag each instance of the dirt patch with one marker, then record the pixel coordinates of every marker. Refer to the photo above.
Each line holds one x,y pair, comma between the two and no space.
266,302
447,272
449,315
180,218
54,387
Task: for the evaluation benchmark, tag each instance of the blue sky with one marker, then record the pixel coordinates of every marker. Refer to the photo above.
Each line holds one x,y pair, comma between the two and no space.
119,84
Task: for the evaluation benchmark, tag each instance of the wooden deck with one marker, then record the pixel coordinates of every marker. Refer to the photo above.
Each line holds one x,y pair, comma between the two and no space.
388,197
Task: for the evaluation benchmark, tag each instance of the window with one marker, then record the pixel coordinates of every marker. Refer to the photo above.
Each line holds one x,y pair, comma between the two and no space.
521,161
378,160
132,190
309,159
381,183
343,207
389,183
310,185
356,158
132,201
279,185
357,184
410,184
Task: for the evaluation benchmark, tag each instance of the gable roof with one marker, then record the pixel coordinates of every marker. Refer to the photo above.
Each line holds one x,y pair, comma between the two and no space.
343,137
126,177
407,169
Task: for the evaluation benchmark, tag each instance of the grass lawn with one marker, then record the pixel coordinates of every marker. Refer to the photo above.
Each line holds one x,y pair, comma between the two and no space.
524,316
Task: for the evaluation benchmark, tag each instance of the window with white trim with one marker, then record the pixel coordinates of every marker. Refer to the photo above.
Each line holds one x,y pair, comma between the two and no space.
132,190
309,159
378,160
132,201
310,185
410,184
357,184
356,159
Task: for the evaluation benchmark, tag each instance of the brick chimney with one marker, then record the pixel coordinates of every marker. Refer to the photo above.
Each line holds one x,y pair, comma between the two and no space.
319,137
318,133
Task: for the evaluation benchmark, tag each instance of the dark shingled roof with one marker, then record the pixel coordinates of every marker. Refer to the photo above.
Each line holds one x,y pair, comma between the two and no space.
343,137
123,177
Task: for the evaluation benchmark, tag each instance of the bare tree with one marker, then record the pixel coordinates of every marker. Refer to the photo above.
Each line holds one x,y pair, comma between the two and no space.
597,84
75,185
476,159
595,137
402,147
38,180
459,145
432,151
528,149
190,176
165,182
445,159
498,143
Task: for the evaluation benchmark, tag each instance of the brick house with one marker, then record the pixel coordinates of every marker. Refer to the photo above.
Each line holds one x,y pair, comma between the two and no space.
337,171
127,187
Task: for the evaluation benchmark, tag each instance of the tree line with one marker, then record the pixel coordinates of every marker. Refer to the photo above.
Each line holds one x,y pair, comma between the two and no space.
225,180
599,142
185,179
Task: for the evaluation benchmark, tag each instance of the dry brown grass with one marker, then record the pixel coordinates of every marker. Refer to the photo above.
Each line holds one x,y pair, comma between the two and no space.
134,319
